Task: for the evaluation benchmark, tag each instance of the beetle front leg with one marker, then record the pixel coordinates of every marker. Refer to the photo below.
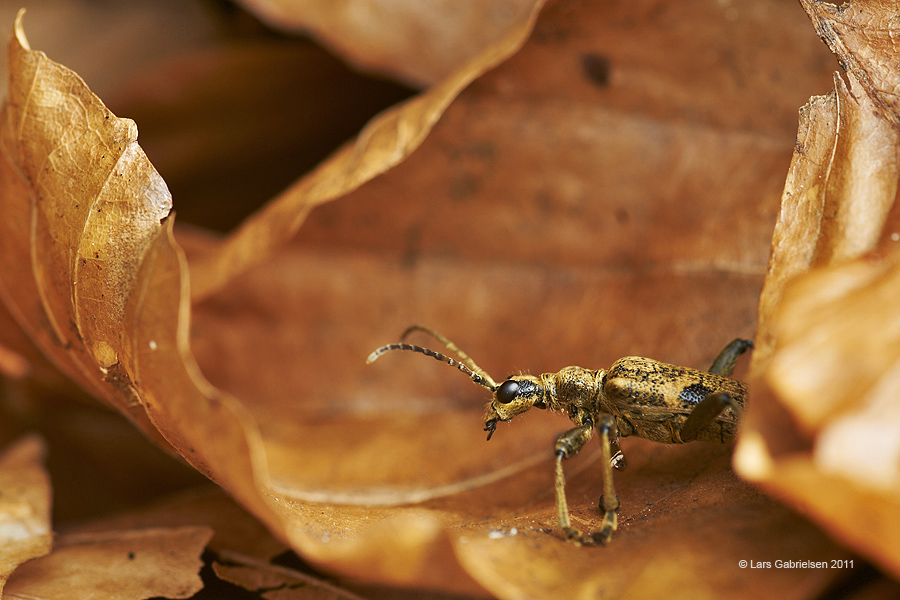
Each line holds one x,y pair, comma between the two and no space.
568,444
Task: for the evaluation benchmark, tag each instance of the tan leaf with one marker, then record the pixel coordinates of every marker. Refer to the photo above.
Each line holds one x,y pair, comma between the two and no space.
120,565
96,281
821,428
419,43
596,196
104,290
861,34
536,231
275,583
141,34
24,506
65,155
235,529
387,140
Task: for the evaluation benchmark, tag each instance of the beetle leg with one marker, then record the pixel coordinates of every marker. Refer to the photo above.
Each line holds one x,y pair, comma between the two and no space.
609,502
724,363
568,444
706,411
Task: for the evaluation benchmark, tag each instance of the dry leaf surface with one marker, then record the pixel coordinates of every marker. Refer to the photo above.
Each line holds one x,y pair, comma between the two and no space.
276,583
583,255
104,290
419,43
97,273
595,196
822,428
120,565
386,141
24,506
236,530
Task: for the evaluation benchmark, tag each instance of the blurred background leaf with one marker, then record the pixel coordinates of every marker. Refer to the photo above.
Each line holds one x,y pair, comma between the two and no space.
609,190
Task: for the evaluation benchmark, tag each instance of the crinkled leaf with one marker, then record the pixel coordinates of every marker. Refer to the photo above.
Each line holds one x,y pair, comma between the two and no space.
532,252
387,140
236,530
420,43
822,428
68,167
24,506
115,565
96,280
596,196
275,583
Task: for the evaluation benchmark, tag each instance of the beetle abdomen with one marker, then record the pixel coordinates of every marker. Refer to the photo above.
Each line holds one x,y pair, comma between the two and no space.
656,398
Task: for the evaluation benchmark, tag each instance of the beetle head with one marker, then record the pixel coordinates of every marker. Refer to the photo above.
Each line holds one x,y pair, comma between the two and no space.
510,398
514,396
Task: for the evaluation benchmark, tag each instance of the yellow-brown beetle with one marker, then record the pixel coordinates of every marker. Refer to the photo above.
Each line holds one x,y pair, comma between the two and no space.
636,396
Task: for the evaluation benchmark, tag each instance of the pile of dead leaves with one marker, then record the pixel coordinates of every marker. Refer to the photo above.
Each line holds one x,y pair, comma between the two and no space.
571,183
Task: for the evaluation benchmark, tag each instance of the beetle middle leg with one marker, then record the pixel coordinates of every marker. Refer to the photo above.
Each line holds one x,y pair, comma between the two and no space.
568,444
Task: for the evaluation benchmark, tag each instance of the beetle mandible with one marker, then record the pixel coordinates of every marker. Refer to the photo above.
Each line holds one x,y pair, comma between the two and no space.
635,396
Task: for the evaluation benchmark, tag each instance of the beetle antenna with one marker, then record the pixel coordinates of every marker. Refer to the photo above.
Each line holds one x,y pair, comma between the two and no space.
480,378
465,358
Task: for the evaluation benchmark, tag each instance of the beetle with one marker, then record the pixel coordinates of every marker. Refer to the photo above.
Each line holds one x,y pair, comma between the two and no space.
635,396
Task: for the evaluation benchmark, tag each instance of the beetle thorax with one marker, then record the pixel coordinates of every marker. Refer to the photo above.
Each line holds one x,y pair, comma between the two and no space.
577,390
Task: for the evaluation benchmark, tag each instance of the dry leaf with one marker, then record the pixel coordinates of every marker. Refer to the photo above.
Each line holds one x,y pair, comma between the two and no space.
120,565
276,583
43,174
104,291
98,274
386,141
418,43
534,251
140,33
193,113
822,428
595,196
24,506
236,531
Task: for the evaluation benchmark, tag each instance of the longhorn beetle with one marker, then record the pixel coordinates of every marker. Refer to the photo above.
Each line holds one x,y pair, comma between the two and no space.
636,396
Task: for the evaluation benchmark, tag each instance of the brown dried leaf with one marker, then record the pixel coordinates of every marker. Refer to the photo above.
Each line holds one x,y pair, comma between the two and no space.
103,289
646,234
862,36
236,530
386,141
97,281
120,565
24,506
64,156
594,197
140,33
419,43
275,583
822,428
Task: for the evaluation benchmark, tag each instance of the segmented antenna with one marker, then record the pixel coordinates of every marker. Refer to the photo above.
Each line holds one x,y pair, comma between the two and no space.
479,376
465,358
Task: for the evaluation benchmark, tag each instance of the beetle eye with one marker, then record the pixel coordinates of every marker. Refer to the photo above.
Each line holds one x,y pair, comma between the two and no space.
506,393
